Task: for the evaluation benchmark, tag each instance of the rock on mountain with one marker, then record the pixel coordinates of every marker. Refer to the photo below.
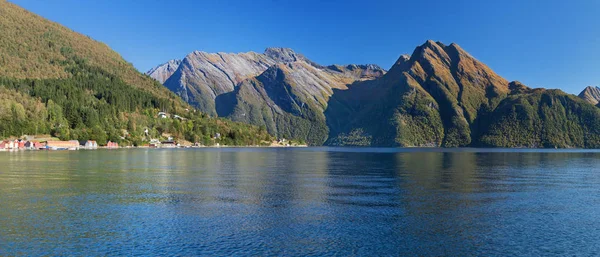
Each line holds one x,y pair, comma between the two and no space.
162,72
591,94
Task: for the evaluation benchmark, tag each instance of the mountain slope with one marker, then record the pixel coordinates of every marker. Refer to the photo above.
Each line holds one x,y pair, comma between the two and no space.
289,99
431,98
543,118
591,95
442,96
438,96
56,81
162,72
201,76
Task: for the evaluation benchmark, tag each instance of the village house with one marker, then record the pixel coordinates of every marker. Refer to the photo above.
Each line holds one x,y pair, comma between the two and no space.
168,144
30,145
112,145
62,145
38,145
89,144
8,145
162,115
178,117
154,143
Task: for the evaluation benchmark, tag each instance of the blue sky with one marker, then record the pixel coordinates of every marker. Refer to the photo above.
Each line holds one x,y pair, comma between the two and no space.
553,44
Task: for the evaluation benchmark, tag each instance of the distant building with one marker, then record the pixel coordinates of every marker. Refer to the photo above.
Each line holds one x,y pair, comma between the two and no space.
168,144
29,145
163,115
112,145
90,145
38,145
8,145
63,145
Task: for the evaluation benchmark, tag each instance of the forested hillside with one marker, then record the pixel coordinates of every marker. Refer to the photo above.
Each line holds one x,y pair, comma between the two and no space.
58,82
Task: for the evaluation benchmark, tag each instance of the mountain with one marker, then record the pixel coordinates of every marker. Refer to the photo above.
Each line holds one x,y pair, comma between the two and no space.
162,72
440,95
201,77
430,98
280,90
591,95
59,82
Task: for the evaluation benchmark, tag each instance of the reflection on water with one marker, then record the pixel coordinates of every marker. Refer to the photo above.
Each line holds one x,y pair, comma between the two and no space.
299,202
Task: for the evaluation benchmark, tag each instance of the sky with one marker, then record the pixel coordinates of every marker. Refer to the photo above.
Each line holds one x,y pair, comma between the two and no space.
551,43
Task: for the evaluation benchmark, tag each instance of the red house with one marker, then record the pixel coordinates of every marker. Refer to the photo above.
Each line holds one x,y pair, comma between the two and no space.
38,145
112,145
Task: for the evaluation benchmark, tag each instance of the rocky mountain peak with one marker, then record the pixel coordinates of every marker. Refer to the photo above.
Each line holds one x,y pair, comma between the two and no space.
281,54
162,72
591,94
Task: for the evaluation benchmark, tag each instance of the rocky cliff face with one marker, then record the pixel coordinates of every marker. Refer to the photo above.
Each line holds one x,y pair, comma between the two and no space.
280,89
162,72
591,94
202,77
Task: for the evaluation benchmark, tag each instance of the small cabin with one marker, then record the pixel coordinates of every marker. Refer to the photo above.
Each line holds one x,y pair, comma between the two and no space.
90,144
168,144
112,145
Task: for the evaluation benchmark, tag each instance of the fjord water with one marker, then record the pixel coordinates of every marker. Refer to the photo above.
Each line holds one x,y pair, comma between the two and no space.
313,201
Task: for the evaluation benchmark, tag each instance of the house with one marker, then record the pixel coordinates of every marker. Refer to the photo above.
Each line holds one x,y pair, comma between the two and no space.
178,117
39,145
112,145
62,145
163,115
29,145
154,143
90,145
3,146
8,144
168,144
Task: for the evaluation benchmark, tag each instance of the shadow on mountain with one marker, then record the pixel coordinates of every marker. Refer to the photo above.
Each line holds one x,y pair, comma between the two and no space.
224,103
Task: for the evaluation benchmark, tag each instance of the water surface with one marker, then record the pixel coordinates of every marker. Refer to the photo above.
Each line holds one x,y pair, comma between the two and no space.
313,201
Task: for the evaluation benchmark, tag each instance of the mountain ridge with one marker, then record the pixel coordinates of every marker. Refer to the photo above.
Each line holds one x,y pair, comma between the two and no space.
440,95
202,77
591,94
